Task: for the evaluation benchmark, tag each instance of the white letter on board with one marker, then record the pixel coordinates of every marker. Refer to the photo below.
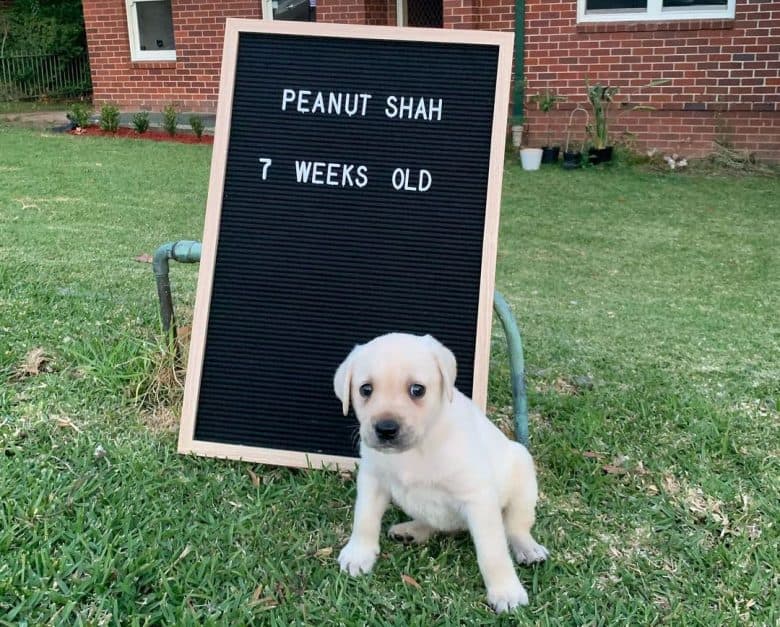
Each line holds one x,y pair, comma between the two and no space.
391,110
266,163
303,100
302,171
318,173
362,173
319,103
424,181
334,103
288,95
366,98
436,108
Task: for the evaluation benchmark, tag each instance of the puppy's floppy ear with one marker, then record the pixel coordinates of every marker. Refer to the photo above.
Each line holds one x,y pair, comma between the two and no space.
448,367
342,380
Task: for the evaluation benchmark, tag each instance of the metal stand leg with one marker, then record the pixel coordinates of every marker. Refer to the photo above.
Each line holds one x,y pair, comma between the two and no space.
183,251
189,252
516,366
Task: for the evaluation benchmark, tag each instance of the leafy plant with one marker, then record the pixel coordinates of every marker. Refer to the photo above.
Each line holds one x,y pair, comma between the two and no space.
109,118
546,101
170,117
141,122
196,124
600,98
79,113
42,27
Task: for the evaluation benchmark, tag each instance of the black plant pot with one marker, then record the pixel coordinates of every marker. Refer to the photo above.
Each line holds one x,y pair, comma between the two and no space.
600,155
572,160
550,154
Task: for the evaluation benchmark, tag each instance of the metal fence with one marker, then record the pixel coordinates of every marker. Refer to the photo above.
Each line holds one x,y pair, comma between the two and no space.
44,75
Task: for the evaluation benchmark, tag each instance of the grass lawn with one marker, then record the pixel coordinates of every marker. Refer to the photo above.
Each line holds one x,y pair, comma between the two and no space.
649,306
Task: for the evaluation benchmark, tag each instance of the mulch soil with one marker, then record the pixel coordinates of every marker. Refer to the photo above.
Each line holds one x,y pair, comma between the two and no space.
151,135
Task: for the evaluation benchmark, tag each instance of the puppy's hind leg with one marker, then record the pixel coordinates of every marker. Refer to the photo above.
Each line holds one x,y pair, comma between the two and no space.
520,515
410,531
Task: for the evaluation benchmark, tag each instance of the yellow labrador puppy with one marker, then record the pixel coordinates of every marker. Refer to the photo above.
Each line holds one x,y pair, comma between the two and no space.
429,449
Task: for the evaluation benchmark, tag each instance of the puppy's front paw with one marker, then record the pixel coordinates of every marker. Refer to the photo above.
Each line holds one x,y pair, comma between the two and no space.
507,595
528,551
357,559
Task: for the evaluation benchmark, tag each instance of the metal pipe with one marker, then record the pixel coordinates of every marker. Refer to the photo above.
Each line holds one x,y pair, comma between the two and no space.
516,366
518,98
183,251
186,251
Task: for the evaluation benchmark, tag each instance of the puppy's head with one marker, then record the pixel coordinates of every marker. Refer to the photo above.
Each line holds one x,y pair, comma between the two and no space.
398,385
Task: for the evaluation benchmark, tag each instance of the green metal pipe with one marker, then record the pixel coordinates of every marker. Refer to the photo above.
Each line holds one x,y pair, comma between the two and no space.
186,251
519,87
516,366
183,251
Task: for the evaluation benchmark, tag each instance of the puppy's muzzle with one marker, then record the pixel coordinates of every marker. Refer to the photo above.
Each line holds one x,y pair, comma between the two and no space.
388,433
386,430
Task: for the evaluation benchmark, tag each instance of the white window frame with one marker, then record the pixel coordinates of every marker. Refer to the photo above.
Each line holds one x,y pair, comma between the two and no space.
268,9
136,54
655,12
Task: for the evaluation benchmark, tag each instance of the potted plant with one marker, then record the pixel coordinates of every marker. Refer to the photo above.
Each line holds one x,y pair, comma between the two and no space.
600,97
546,102
531,158
572,159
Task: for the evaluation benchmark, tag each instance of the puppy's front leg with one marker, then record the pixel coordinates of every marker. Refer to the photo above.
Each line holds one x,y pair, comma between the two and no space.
504,589
359,555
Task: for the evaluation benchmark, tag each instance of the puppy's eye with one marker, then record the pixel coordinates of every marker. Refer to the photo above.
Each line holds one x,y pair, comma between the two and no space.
366,389
416,390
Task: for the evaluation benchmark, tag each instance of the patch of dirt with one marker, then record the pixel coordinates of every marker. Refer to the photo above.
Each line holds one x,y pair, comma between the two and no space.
150,135
161,419
566,386
162,400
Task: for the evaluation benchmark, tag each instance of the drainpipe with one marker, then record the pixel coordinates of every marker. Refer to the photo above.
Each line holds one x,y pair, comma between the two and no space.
519,87
184,251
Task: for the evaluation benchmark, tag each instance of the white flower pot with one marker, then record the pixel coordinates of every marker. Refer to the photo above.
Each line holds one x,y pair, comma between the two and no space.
531,158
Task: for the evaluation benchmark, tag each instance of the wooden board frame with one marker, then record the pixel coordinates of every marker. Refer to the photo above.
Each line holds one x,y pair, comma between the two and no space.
233,28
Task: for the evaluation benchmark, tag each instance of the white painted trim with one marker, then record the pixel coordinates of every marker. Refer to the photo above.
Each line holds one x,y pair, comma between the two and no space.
268,9
401,13
136,54
655,12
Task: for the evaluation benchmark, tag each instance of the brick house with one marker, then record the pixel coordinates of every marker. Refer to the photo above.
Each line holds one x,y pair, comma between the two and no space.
721,57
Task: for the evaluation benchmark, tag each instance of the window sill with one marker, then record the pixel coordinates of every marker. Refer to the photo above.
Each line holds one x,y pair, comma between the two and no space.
639,26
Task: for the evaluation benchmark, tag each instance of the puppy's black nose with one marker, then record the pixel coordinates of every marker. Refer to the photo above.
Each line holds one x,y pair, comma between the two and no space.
386,429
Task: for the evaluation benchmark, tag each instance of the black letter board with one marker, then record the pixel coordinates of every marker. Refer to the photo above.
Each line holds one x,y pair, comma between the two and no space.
355,187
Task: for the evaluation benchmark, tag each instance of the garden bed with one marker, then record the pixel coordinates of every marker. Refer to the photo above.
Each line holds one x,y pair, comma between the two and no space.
151,134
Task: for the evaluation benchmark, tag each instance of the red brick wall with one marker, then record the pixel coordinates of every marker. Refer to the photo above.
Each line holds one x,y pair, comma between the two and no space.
346,12
192,81
724,76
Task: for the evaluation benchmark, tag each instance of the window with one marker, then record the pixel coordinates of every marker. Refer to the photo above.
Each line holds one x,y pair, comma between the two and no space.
425,13
649,10
150,25
290,10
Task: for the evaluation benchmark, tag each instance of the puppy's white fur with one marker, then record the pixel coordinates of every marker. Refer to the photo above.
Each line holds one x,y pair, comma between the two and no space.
449,468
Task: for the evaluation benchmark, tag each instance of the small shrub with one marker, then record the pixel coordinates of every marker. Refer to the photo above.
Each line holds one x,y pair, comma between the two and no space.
196,124
170,117
79,114
141,122
109,118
